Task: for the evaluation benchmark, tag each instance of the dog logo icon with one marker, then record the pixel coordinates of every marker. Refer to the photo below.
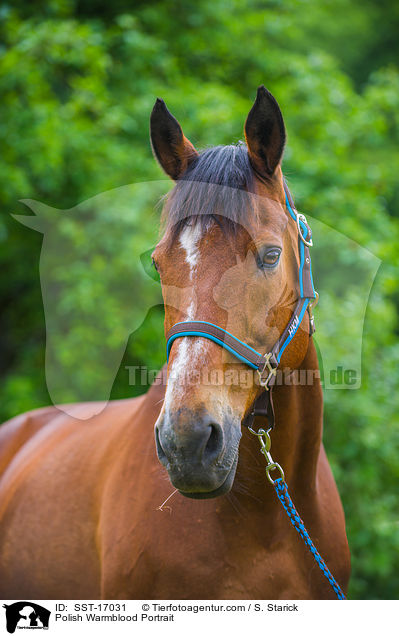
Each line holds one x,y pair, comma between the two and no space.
26,615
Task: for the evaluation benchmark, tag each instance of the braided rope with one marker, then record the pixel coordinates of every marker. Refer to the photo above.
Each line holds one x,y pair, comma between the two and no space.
282,493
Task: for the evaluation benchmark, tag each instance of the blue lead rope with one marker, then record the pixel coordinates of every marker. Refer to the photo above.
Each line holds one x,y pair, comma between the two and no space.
282,493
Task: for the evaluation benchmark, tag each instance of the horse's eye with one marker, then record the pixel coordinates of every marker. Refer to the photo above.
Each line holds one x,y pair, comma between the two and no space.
154,265
270,258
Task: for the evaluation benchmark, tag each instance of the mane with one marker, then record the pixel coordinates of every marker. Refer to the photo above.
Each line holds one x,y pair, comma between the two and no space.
214,186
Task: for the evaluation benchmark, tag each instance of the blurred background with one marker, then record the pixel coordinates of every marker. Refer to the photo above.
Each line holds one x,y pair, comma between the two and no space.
78,80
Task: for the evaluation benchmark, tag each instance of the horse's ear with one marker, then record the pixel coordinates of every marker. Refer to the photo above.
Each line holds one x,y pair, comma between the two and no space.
265,133
172,149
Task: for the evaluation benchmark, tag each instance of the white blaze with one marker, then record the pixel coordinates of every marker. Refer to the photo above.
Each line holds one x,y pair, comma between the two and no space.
188,348
189,239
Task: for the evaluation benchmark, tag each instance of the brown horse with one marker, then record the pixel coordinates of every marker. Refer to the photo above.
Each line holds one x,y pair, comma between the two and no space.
80,501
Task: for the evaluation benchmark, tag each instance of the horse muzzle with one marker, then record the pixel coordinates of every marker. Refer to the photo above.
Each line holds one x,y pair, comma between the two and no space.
199,453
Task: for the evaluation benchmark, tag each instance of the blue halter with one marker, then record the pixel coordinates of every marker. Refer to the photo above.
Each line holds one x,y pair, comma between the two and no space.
265,364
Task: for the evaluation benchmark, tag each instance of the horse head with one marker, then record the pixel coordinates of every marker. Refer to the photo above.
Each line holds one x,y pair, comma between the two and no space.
228,256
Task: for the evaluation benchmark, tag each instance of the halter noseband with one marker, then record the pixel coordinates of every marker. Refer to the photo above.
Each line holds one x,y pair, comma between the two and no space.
265,364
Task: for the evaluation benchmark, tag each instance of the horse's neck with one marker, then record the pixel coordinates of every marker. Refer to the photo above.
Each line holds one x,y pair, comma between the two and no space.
296,438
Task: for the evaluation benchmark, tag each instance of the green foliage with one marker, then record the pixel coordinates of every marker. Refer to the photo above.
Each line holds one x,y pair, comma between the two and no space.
78,81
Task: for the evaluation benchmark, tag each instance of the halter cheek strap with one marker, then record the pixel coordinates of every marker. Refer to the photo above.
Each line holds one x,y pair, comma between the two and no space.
265,364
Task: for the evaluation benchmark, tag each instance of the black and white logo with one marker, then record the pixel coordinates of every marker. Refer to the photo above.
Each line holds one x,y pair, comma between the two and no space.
26,615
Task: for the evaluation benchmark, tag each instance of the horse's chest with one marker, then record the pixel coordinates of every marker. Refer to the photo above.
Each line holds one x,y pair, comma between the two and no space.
274,574
203,564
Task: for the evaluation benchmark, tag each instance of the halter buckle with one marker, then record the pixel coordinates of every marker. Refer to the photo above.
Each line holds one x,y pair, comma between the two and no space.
302,217
271,370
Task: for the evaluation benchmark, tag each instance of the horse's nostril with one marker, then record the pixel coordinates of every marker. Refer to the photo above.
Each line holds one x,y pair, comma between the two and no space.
214,443
160,450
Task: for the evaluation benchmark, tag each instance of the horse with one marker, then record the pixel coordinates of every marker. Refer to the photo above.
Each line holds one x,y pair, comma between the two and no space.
91,506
